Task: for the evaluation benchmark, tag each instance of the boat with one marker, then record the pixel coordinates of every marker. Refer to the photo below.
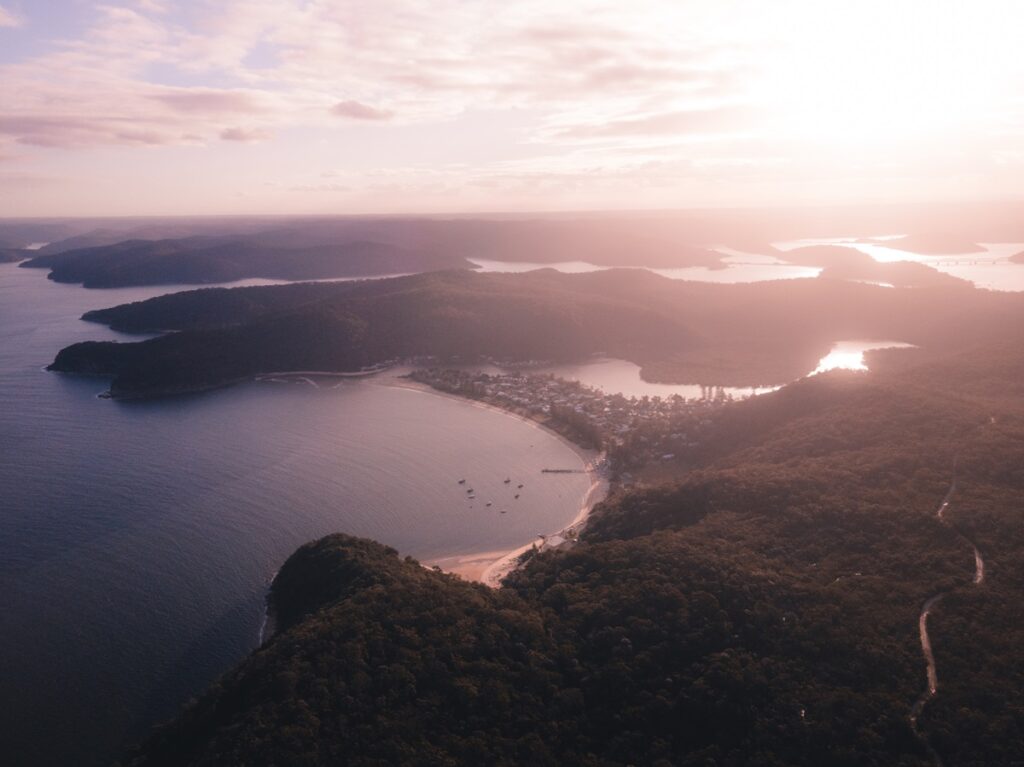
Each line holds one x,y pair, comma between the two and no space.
507,480
462,481
489,503
520,487
517,495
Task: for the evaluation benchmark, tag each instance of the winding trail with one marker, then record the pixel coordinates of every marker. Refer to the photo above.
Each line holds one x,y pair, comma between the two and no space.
932,674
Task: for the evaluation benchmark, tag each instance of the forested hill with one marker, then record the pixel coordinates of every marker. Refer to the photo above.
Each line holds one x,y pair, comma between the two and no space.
686,332
13,255
761,609
160,253
203,259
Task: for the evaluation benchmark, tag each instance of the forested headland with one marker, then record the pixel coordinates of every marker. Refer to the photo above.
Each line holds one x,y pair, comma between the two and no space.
754,334
761,608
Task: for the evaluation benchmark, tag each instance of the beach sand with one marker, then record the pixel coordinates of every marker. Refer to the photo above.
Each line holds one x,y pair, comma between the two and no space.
491,567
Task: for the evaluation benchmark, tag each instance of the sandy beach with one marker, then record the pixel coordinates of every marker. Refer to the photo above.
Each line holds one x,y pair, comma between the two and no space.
490,567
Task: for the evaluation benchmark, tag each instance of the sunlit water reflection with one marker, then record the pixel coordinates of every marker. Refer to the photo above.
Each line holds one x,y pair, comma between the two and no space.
990,269
616,376
737,267
849,355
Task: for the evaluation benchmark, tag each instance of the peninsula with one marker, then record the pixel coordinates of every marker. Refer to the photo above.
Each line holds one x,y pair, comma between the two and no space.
762,605
680,332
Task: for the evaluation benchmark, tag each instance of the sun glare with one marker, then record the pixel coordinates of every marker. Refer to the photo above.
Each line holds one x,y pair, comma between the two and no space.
852,76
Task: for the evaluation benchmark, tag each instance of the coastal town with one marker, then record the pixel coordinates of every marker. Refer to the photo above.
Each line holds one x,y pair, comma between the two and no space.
633,432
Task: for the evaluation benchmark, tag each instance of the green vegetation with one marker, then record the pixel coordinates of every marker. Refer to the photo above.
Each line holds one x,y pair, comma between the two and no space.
12,255
198,260
197,252
761,609
685,332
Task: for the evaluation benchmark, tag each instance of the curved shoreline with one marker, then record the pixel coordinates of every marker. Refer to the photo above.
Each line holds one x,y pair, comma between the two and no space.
491,567
501,567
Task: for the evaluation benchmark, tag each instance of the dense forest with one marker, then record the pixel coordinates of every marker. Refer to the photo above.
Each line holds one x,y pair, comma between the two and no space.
157,254
759,609
197,260
13,255
682,332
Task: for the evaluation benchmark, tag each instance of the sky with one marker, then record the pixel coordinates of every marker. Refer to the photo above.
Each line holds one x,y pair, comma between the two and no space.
153,107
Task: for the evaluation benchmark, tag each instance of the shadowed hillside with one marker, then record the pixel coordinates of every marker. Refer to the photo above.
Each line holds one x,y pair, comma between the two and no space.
226,259
761,609
749,334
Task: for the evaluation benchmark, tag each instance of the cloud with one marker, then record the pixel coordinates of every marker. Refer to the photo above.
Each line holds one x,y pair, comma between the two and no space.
686,122
21,181
357,110
250,135
321,188
152,6
208,101
46,131
8,19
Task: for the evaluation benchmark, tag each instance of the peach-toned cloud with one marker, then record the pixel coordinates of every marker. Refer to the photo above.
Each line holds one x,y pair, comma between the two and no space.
250,135
151,6
357,110
676,122
56,131
8,19
208,101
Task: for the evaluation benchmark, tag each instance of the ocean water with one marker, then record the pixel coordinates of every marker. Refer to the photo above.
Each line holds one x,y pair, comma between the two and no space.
137,539
849,355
